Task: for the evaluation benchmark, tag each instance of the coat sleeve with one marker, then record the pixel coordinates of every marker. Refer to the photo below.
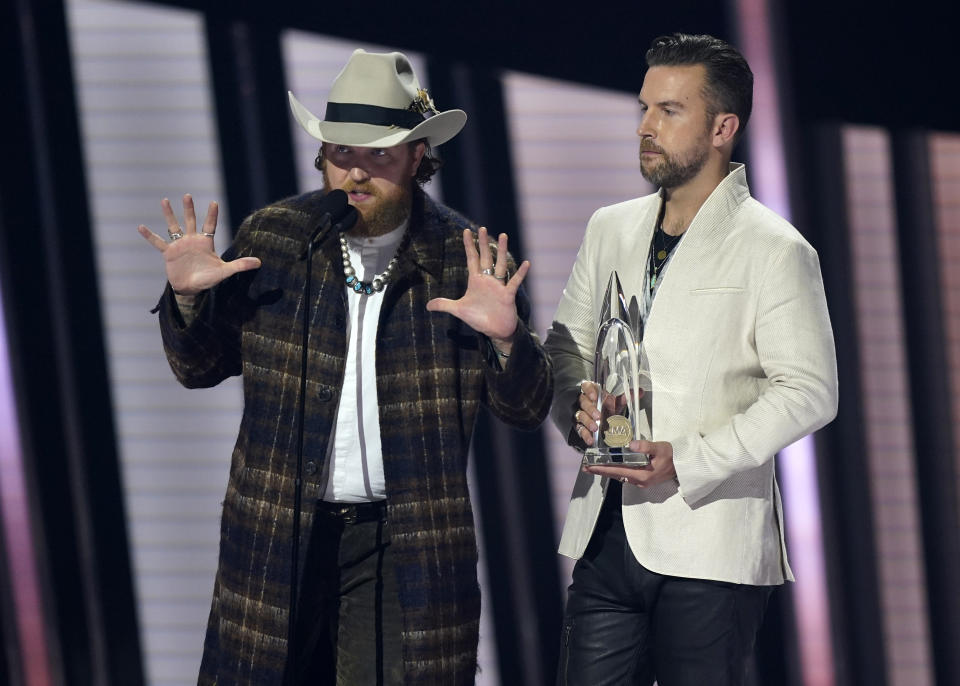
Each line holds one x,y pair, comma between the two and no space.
520,390
794,343
204,348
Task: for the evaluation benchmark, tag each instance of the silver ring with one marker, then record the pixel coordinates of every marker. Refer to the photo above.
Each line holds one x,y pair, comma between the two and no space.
176,235
502,279
206,235
487,272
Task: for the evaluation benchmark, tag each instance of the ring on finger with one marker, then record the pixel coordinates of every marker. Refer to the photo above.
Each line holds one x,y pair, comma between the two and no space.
502,279
488,271
206,234
624,480
176,235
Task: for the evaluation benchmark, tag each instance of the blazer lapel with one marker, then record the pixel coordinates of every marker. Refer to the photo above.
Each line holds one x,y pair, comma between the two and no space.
707,231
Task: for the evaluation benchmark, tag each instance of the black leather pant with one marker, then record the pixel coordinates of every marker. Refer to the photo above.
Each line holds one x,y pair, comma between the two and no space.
627,625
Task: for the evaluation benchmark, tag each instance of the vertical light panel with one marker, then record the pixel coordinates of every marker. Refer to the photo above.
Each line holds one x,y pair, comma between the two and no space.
312,63
148,132
945,175
796,463
885,392
575,150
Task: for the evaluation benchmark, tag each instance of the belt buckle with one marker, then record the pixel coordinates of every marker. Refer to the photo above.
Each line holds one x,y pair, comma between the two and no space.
349,514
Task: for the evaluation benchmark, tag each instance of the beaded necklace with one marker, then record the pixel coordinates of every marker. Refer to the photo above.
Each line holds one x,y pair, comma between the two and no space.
374,285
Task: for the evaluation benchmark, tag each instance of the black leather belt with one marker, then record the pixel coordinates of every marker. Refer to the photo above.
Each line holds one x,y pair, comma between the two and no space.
353,513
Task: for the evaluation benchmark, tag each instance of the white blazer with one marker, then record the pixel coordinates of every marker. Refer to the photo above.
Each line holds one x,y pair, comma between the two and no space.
742,363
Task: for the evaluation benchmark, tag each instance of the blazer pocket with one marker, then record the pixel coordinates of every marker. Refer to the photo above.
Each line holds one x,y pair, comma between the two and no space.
718,290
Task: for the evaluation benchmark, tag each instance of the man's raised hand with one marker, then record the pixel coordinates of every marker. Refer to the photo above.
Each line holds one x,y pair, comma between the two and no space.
489,304
191,263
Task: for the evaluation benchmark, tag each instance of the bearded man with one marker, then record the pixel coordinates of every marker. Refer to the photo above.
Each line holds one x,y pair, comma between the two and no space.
413,324
676,559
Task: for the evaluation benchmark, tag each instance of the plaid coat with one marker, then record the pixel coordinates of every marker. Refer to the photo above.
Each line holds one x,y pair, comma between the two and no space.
433,371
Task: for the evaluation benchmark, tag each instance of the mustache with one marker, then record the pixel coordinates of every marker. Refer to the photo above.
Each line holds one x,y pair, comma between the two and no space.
360,187
650,146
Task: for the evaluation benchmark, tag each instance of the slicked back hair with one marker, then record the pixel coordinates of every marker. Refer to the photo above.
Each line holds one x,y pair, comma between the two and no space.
729,81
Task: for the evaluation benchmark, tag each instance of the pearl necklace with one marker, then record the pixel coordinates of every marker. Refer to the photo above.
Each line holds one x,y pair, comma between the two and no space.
375,285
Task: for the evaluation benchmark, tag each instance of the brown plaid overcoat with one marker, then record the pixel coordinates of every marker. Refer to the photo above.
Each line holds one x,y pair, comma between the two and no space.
432,373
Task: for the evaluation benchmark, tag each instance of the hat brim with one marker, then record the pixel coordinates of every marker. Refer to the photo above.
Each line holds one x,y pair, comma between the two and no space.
437,129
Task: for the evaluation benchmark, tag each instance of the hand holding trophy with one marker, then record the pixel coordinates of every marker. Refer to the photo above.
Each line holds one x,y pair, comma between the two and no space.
622,375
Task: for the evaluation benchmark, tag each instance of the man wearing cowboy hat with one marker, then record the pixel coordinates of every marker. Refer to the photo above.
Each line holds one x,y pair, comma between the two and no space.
415,321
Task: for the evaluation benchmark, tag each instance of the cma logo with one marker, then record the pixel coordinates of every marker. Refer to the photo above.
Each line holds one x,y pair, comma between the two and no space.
619,433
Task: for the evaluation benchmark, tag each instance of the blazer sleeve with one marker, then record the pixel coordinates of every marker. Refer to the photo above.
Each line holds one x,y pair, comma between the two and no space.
794,343
570,339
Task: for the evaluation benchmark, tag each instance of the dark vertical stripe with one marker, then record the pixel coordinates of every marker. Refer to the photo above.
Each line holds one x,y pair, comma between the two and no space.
518,527
57,350
253,119
930,396
11,661
851,556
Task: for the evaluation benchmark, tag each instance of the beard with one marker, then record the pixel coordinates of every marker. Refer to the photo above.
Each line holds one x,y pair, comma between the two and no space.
384,214
673,170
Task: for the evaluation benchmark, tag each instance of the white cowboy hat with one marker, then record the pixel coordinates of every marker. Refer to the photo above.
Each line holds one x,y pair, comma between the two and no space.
377,102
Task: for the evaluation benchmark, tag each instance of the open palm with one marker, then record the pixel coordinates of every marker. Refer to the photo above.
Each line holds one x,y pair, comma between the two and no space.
192,264
489,304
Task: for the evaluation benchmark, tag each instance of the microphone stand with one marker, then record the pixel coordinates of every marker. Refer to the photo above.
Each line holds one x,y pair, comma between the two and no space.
345,222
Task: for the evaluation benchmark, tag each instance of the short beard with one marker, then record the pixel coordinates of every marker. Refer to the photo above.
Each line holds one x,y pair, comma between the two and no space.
386,216
673,172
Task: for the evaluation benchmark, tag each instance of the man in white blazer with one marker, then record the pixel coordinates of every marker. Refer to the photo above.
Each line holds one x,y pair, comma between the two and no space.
676,560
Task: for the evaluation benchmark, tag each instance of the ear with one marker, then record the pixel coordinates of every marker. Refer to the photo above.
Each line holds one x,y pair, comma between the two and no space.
725,127
419,150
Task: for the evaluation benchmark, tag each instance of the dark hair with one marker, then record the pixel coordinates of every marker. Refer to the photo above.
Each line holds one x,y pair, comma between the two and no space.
729,81
428,165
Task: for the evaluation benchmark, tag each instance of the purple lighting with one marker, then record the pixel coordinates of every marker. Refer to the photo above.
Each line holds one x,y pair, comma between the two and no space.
15,515
797,463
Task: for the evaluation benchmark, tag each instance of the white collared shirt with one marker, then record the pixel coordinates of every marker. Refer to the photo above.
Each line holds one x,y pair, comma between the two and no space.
355,462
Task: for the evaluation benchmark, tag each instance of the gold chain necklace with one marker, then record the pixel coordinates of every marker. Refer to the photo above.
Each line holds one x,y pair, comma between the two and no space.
660,248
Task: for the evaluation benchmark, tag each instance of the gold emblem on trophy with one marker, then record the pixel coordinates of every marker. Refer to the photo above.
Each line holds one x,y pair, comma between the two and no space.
619,432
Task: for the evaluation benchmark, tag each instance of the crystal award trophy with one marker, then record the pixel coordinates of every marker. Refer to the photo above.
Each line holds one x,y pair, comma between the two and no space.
623,378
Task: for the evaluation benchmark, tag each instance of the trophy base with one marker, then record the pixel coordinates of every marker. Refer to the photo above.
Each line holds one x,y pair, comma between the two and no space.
615,456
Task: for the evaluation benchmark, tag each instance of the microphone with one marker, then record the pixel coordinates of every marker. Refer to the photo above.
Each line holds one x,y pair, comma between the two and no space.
346,222
333,207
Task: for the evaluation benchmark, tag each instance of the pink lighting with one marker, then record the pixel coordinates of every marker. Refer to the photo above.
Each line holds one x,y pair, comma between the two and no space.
797,463
19,553
798,468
